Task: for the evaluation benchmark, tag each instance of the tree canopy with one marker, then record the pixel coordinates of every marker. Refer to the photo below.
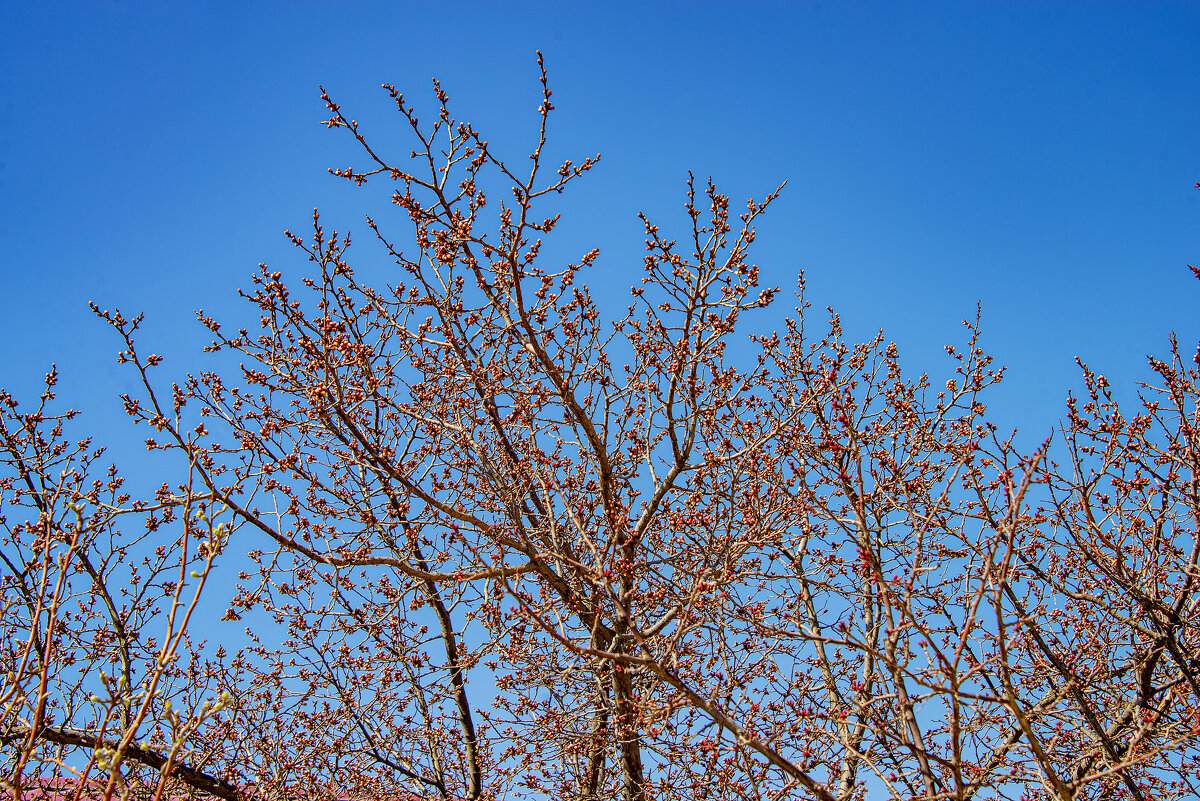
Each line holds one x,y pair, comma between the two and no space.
492,540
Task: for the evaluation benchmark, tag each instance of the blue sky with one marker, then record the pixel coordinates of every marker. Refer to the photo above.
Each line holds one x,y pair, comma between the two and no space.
1037,158
1040,158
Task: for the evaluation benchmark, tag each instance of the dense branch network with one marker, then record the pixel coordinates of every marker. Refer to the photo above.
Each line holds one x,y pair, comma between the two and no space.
507,545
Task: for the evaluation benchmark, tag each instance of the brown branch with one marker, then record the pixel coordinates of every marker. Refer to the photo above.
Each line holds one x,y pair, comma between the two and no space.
192,777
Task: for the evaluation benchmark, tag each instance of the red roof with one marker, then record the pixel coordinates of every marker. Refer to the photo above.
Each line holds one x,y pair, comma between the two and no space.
63,789
57,789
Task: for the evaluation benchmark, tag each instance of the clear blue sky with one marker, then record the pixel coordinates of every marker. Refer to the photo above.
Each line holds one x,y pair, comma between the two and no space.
1038,157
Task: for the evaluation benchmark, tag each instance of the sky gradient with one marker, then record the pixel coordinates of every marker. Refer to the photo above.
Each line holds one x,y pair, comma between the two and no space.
1038,159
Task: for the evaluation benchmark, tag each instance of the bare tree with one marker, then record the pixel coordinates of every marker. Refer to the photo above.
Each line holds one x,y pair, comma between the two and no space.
517,547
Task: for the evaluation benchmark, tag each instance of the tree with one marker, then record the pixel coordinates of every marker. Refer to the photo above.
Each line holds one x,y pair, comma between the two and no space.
516,548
